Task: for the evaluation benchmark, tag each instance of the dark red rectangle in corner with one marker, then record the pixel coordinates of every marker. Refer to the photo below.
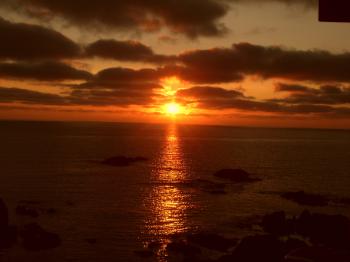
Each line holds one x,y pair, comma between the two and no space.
334,10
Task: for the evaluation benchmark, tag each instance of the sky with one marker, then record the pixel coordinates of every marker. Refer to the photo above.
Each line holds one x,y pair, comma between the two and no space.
221,62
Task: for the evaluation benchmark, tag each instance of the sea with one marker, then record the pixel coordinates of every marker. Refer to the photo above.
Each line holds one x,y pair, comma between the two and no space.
106,213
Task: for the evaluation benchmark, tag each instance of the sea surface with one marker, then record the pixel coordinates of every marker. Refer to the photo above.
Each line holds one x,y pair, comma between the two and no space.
58,165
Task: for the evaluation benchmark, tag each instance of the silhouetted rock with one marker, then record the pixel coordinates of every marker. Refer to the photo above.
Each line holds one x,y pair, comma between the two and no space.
235,175
183,248
277,224
8,236
329,230
212,241
4,220
306,199
34,237
316,254
258,248
122,160
23,210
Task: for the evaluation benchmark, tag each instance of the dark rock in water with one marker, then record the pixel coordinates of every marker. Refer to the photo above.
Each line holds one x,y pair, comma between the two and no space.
183,248
316,254
23,210
8,236
306,199
122,160
258,248
294,244
35,238
4,219
209,186
144,253
235,175
330,230
212,241
277,224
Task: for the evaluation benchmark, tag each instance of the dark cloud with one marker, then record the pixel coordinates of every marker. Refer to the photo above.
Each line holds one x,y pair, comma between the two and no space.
11,95
20,41
209,92
44,71
307,3
117,78
124,51
326,95
282,87
216,98
228,64
190,17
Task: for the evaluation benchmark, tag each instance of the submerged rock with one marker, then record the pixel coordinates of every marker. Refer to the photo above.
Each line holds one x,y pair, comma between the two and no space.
277,224
122,160
209,186
35,238
307,199
235,175
212,241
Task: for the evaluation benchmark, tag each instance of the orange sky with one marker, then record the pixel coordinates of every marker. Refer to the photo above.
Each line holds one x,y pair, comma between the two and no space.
243,62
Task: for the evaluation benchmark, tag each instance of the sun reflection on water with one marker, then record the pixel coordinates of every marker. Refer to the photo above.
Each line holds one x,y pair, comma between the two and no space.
169,202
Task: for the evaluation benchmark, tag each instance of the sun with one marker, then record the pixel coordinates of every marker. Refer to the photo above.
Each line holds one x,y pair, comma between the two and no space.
172,109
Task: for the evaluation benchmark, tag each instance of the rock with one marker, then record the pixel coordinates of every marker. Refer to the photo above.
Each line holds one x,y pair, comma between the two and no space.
235,175
35,238
4,220
23,210
277,224
212,241
306,199
8,236
258,248
183,248
316,254
293,243
330,230
122,160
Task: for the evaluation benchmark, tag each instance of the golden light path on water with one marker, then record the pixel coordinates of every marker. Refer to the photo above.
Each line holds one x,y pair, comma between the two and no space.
169,203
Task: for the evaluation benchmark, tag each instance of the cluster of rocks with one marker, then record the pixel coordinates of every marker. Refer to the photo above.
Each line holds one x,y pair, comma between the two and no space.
309,237
121,161
31,236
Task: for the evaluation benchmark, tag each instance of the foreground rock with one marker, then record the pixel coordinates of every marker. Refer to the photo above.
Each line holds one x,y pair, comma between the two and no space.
236,176
257,248
8,234
212,241
307,199
35,238
119,161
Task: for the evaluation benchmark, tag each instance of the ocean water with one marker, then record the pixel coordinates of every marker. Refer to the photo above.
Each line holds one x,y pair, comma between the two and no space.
57,165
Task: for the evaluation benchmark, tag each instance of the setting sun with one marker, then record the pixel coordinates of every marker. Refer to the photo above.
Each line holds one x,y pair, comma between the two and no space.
172,109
